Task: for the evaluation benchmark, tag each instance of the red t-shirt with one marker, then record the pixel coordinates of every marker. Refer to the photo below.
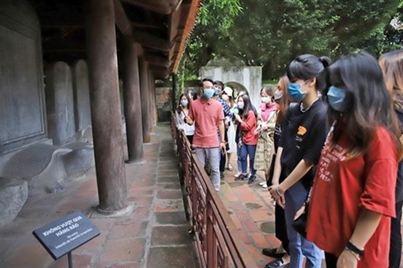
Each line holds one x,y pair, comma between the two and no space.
206,115
248,127
342,187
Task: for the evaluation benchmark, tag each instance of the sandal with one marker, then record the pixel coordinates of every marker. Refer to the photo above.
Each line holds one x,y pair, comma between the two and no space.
229,167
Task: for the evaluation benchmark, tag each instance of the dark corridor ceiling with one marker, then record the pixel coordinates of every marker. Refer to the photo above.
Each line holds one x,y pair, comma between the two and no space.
161,27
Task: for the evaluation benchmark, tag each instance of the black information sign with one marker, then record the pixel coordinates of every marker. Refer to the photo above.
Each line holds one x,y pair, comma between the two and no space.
66,234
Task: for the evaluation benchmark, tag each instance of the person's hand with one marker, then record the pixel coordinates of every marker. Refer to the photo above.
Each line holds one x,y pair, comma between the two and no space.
223,146
188,120
237,117
299,211
347,259
281,201
276,192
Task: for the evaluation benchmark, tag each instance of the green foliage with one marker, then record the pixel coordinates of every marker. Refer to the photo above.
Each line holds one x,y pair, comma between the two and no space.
270,33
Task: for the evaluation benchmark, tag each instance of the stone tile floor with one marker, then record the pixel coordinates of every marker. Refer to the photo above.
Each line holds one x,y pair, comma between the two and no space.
154,234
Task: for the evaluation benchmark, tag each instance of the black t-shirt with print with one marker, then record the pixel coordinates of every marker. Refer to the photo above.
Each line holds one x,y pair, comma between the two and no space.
278,128
303,136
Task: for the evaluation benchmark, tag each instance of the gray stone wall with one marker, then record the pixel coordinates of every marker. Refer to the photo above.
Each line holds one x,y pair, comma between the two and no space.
22,112
248,76
81,92
60,103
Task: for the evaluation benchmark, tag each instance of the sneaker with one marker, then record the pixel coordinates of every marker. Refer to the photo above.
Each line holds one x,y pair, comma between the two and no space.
238,174
251,179
264,185
241,177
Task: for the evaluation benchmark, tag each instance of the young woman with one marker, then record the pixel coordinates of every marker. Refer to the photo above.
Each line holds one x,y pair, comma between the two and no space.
281,253
353,196
226,95
247,120
192,94
238,132
302,139
392,67
180,113
267,117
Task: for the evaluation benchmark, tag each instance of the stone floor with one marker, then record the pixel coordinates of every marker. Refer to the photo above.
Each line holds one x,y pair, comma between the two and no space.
154,234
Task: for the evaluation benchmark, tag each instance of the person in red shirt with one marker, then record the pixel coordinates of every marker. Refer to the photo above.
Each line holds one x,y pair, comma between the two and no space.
247,120
392,67
353,195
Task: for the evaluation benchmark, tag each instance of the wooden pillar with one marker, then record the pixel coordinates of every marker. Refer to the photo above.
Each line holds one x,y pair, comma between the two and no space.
105,106
132,103
152,106
173,91
145,100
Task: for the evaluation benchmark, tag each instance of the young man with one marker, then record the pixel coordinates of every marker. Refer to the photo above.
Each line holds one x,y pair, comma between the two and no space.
207,115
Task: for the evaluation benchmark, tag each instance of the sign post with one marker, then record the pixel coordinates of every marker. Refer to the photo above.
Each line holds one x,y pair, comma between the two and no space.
62,236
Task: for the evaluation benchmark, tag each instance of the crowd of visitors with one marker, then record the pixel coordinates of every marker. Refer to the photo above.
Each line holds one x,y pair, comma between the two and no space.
328,139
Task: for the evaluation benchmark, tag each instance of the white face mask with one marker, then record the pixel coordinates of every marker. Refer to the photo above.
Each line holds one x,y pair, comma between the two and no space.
266,99
240,105
184,103
225,97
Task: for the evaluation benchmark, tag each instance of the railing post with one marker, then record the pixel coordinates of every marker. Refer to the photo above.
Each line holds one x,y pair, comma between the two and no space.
211,241
216,239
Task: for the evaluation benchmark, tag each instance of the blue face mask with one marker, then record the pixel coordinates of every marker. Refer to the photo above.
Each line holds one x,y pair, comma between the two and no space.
336,98
208,92
295,91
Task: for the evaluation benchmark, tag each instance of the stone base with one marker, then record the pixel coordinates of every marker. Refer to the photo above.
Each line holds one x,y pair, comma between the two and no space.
126,211
135,162
13,195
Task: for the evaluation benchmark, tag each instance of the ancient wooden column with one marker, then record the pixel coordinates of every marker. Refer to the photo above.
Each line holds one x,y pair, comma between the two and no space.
173,91
132,103
105,106
145,101
151,104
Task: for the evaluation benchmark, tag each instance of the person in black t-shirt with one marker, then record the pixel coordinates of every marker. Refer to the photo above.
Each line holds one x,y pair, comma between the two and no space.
302,139
281,253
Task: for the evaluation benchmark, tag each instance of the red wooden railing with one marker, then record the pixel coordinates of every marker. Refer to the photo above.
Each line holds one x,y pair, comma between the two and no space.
216,237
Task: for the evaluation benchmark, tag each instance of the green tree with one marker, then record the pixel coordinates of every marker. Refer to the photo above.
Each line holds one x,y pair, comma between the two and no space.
212,27
270,33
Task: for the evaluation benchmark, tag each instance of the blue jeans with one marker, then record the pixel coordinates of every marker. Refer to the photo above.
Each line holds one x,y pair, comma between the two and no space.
246,150
212,156
299,246
238,159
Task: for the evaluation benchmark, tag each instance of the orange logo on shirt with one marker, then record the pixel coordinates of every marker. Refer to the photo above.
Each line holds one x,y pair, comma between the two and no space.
301,130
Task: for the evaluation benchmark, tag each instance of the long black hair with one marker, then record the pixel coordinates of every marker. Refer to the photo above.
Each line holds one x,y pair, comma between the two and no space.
247,106
308,66
369,104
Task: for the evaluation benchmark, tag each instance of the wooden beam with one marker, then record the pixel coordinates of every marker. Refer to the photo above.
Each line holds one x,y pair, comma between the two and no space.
157,60
158,68
160,75
159,6
61,19
173,22
64,45
152,41
121,20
